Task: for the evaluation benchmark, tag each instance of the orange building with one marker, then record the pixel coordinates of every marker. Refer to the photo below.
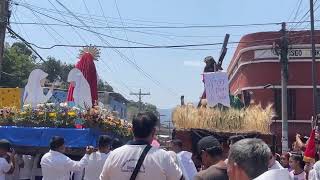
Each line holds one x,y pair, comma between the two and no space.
255,76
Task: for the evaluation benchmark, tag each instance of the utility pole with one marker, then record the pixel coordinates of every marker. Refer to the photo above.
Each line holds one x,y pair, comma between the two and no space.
284,80
4,20
160,115
281,49
140,94
314,70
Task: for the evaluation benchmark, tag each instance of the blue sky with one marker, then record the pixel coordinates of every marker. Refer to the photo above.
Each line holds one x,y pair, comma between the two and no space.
174,71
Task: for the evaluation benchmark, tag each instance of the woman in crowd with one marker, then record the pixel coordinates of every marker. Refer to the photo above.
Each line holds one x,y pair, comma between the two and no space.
284,160
297,164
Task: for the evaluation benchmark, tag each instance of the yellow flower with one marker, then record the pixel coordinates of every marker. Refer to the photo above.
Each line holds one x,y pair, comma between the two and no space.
72,113
23,113
40,113
52,114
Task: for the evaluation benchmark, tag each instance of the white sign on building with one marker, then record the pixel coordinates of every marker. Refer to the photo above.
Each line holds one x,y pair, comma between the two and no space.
293,53
217,88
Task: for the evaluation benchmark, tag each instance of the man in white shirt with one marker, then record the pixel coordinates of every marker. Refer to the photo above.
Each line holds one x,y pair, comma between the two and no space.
157,164
7,160
273,163
248,159
97,159
57,166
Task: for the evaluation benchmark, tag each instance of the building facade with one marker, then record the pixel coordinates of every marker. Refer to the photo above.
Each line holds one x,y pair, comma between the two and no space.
255,77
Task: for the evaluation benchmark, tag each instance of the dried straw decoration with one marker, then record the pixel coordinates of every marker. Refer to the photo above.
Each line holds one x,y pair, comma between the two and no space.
253,118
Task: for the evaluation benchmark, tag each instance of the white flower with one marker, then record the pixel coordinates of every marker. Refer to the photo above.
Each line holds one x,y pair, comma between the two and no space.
40,105
50,104
27,106
63,104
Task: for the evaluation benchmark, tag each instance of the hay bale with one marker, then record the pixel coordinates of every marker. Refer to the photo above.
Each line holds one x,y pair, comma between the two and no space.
253,118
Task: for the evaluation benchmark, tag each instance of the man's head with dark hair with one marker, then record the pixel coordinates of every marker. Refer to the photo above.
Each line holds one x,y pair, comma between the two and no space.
210,151
143,126
5,146
248,159
57,144
104,143
176,145
235,138
116,143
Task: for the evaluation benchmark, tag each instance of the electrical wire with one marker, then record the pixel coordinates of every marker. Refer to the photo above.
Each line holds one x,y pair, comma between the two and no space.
88,30
68,52
124,30
14,34
166,46
125,19
147,75
79,35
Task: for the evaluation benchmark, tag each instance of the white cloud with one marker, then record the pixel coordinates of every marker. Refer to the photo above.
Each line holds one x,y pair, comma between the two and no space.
193,63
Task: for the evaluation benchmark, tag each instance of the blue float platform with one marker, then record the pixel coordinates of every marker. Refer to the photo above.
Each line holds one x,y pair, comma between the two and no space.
40,136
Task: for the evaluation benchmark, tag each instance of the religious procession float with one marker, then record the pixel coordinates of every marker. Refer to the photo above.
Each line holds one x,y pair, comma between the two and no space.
80,118
219,113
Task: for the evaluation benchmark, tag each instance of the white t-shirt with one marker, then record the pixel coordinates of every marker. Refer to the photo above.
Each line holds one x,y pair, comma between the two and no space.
275,174
276,165
4,168
57,166
301,176
95,165
186,164
157,165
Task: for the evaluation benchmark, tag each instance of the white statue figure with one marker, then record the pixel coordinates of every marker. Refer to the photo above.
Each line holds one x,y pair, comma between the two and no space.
33,91
81,92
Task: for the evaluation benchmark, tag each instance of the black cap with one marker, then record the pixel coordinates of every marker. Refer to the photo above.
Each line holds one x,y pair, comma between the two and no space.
104,140
235,138
56,142
210,144
5,144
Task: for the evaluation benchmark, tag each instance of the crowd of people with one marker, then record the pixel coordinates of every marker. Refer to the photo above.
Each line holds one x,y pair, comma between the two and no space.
247,159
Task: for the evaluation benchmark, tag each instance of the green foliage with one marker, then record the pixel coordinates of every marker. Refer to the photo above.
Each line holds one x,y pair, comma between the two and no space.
104,86
133,109
18,62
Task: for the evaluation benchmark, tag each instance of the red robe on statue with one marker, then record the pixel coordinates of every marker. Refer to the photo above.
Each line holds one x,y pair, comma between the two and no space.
88,69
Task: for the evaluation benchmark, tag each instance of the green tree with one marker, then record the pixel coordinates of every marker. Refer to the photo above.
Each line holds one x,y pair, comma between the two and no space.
104,86
53,67
18,62
133,109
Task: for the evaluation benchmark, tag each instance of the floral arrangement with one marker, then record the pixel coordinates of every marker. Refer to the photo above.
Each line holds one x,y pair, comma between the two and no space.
64,116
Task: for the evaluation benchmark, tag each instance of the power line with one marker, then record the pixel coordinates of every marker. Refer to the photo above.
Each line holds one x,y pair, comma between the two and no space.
164,46
156,27
124,30
25,42
297,11
80,36
126,19
89,30
147,75
305,16
50,34
149,32
187,26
